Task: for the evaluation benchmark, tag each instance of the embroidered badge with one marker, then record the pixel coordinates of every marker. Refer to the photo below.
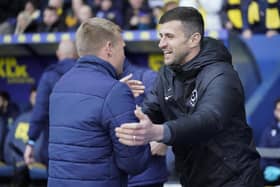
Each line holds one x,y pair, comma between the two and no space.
193,99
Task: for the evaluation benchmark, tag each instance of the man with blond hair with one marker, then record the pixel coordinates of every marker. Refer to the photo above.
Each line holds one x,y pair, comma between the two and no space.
86,106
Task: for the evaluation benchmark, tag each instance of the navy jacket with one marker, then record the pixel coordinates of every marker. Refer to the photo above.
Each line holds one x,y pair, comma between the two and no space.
40,116
270,138
157,169
202,103
86,106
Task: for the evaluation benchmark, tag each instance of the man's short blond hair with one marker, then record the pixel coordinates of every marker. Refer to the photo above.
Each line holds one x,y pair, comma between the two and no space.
93,34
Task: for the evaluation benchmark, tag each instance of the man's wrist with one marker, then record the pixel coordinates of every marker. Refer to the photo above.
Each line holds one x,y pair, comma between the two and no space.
158,132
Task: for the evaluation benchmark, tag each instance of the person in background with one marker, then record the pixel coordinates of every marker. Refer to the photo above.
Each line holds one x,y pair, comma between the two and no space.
271,139
197,107
107,11
28,19
9,110
39,123
233,15
84,13
52,21
86,106
72,15
58,5
138,16
262,17
170,4
15,144
211,13
156,173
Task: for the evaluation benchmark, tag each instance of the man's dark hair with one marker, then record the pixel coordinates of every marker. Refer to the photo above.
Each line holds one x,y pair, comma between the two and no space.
190,18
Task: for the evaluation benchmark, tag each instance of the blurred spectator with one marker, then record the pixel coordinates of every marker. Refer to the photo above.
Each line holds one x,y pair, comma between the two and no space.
95,4
271,138
58,5
8,113
32,99
72,14
66,54
263,17
9,10
15,143
157,13
85,12
23,21
29,18
138,16
24,24
52,22
170,4
233,17
191,3
31,6
8,109
107,11
212,16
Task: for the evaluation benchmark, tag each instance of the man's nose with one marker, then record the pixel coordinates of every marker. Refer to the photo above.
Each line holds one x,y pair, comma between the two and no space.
162,43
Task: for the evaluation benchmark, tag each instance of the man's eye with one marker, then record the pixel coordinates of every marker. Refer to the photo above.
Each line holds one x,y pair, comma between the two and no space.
169,36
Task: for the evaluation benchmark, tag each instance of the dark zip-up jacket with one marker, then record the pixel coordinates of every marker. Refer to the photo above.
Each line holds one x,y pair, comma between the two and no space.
202,103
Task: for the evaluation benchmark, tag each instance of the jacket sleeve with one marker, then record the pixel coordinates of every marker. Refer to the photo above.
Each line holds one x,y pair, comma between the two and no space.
217,107
40,113
119,108
151,104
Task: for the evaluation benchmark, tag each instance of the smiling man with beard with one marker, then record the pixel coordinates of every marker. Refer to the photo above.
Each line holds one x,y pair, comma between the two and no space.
197,107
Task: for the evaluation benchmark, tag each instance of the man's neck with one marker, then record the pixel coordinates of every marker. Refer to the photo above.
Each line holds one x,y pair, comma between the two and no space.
192,55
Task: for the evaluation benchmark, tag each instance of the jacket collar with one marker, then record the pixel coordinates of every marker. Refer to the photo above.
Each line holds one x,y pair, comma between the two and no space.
94,60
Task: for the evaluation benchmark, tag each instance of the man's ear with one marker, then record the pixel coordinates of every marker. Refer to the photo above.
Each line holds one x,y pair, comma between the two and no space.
108,48
195,39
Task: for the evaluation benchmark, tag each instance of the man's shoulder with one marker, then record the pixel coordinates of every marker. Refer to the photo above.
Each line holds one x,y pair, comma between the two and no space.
216,69
88,82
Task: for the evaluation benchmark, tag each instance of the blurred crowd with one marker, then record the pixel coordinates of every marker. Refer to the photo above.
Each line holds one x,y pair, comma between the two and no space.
245,17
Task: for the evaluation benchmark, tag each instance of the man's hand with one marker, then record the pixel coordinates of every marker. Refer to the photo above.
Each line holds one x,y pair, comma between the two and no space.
158,148
139,133
136,86
29,155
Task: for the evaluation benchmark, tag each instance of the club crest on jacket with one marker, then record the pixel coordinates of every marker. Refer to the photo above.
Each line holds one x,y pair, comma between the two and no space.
193,99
